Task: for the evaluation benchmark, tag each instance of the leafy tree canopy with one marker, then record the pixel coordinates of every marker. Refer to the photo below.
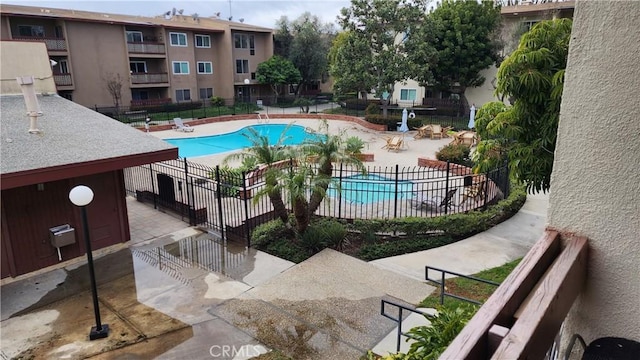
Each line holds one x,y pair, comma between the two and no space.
464,33
305,42
532,77
277,71
384,27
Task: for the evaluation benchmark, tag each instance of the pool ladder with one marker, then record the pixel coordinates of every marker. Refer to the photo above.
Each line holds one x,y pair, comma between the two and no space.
261,119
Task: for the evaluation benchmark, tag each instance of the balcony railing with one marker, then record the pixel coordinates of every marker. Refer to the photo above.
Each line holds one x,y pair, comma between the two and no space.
522,317
149,78
146,48
62,79
53,44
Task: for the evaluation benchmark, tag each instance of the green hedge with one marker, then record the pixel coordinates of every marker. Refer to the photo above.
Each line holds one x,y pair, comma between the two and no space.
454,225
392,120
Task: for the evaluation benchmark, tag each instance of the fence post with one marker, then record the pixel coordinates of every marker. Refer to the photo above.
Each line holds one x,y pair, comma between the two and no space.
246,208
446,187
442,289
486,191
153,188
340,192
190,204
395,200
219,198
191,109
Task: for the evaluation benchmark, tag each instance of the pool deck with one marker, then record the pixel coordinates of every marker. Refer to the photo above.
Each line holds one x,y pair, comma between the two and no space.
408,156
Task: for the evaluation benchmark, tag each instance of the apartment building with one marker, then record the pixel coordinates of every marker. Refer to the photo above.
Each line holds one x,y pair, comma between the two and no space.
168,58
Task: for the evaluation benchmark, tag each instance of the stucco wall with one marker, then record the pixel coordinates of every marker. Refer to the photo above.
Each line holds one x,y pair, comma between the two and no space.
595,185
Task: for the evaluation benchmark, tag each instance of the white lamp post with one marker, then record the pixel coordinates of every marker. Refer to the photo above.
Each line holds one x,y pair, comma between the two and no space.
82,196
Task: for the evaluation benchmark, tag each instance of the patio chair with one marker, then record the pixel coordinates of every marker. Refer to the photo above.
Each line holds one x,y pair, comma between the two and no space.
447,202
423,132
436,131
181,126
394,143
475,192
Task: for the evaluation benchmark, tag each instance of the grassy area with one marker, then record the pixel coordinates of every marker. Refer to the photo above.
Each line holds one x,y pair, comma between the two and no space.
272,355
470,289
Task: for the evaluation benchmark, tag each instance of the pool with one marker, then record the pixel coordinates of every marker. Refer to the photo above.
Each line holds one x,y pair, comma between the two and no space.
221,143
366,189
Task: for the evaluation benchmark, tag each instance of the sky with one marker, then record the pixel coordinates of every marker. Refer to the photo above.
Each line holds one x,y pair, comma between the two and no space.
255,12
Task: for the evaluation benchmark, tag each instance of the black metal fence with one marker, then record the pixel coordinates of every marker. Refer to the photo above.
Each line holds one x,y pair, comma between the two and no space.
226,201
164,112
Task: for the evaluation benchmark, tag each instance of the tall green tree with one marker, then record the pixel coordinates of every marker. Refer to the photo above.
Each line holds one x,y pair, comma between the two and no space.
384,26
262,152
532,78
350,61
305,42
464,37
276,72
304,183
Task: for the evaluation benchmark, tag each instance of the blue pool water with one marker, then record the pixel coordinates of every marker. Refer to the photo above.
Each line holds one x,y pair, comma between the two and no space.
366,189
216,144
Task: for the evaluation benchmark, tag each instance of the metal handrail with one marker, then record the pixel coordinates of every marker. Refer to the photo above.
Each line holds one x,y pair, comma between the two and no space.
443,293
399,319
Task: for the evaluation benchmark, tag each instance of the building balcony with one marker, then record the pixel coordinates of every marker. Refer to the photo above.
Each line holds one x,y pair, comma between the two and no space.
149,48
150,79
62,79
53,44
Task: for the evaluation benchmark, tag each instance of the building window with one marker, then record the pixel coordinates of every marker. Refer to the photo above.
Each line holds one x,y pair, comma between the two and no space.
206,93
138,66
203,41
134,36
31,30
242,66
180,67
244,41
408,94
527,25
178,39
183,95
205,67
58,32
63,65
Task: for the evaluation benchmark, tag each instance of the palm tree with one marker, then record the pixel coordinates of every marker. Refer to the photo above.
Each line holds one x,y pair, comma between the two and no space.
327,149
262,152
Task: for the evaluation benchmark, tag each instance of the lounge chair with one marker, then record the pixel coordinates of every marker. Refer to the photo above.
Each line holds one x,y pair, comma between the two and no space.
434,203
181,126
394,143
475,192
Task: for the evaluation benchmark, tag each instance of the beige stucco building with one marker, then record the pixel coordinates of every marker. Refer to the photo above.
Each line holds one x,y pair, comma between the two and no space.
155,59
595,184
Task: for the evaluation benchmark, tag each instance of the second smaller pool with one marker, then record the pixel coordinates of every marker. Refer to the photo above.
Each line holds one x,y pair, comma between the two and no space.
366,189
220,143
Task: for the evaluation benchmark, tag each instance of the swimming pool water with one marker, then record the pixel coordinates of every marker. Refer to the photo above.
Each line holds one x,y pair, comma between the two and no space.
220,143
366,189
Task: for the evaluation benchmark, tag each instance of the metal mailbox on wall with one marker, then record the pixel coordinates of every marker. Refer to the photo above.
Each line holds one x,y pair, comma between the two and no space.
62,235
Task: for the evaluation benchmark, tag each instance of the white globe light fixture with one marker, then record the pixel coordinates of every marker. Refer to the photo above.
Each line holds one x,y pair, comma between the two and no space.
247,81
81,195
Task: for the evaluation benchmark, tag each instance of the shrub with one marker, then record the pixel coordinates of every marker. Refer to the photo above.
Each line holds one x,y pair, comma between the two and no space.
217,101
269,232
325,233
354,145
432,340
455,153
372,109
392,120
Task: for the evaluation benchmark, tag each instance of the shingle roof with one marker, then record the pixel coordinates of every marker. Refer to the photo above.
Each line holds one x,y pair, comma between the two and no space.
70,134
